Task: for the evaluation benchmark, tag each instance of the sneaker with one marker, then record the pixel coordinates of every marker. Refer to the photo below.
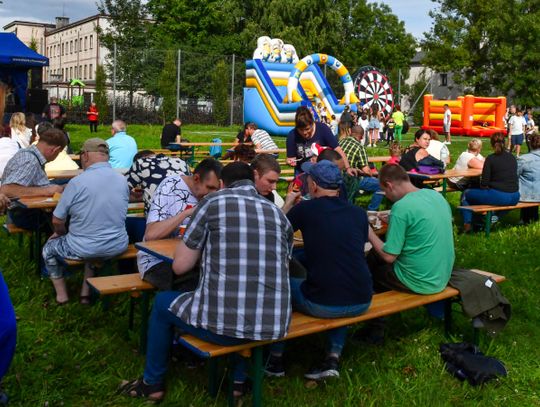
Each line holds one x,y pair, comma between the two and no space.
370,334
329,368
274,366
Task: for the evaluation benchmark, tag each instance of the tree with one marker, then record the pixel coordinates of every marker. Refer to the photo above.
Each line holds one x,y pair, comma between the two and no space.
100,97
491,47
167,88
220,93
128,29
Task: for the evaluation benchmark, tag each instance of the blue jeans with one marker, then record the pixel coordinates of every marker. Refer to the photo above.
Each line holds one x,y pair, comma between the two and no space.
160,336
8,329
337,336
371,184
485,197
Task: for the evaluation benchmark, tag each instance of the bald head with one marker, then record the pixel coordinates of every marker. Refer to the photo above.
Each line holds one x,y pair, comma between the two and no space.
118,125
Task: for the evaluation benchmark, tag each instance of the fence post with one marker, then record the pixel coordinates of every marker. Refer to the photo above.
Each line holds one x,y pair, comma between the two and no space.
114,85
178,83
232,90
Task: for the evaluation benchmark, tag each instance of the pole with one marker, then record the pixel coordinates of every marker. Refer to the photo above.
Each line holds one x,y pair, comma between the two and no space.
232,90
114,85
178,84
399,87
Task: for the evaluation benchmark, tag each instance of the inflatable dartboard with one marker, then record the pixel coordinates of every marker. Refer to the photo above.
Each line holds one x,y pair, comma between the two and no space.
373,88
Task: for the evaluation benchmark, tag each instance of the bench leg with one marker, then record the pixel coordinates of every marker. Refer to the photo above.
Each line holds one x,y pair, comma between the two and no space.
448,317
488,222
144,322
444,186
230,376
476,336
257,357
213,377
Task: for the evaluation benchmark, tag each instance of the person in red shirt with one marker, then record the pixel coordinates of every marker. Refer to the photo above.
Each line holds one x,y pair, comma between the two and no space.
93,115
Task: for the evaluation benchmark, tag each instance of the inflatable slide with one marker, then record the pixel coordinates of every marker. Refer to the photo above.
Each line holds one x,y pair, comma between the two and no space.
277,83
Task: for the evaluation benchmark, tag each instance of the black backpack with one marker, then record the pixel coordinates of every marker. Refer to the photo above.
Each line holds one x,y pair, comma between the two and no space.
466,362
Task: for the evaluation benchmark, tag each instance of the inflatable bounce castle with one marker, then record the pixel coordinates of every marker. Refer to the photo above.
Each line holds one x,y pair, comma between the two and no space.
277,83
471,115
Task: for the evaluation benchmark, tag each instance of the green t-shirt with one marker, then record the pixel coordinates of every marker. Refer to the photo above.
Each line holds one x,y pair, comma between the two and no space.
398,118
420,234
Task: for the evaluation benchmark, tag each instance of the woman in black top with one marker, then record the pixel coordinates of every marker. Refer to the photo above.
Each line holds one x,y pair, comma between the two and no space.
417,153
499,183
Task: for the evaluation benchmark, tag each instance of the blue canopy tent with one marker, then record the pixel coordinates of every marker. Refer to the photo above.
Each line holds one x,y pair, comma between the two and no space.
15,61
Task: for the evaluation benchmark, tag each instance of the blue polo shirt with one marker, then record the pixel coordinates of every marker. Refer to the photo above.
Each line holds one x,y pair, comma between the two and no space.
122,149
96,202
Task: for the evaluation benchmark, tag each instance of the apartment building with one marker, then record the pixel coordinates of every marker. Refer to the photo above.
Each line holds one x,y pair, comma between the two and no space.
73,49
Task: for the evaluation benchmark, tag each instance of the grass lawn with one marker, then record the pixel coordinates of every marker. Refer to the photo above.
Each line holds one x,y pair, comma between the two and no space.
77,355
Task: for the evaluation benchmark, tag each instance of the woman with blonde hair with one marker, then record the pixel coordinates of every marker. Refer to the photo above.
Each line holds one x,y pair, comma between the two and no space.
468,159
19,132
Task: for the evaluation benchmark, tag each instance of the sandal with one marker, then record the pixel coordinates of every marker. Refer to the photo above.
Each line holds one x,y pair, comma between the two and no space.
139,389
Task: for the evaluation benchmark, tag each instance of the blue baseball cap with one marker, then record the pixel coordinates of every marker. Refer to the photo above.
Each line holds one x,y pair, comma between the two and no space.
325,173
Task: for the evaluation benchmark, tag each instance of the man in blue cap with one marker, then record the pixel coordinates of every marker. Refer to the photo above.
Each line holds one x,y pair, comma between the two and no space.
338,282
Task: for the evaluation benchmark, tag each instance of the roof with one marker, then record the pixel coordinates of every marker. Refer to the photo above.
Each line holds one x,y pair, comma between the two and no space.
13,52
418,57
29,23
74,24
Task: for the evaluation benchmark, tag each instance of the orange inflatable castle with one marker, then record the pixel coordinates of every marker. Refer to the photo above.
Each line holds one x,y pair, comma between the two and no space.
471,115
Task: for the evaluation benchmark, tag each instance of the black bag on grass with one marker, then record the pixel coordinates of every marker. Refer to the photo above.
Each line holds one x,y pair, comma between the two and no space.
466,362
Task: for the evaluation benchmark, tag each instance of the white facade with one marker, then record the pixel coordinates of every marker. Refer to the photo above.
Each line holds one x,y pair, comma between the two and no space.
74,51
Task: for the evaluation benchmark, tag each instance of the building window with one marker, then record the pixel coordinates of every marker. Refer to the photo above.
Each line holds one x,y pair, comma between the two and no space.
71,47
85,43
84,72
62,79
75,47
91,41
444,79
62,49
70,73
90,72
80,71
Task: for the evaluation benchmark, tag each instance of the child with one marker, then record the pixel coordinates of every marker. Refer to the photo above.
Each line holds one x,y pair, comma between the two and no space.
517,128
334,125
364,123
390,125
395,153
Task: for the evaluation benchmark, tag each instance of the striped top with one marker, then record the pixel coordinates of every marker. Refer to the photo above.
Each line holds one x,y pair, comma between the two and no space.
263,138
246,243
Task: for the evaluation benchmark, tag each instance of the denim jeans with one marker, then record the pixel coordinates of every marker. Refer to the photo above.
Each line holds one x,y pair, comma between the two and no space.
485,197
371,184
160,336
8,329
337,336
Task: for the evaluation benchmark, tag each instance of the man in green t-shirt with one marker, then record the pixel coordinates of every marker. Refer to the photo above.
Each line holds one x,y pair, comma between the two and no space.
418,255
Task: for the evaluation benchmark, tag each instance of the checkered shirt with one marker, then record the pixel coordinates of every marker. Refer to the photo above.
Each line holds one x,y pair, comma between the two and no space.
355,152
26,168
246,243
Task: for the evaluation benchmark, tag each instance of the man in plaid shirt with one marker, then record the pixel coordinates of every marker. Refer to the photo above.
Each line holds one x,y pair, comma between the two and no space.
357,156
244,243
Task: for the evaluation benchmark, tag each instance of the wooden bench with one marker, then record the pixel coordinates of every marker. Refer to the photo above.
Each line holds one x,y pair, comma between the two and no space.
383,304
132,284
487,211
130,253
14,230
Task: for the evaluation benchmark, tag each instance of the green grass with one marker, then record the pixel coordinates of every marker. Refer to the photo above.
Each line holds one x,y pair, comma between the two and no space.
76,355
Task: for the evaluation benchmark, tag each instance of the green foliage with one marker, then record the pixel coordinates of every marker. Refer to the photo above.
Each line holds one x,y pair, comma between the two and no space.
167,88
356,32
220,87
416,91
129,30
100,97
492,46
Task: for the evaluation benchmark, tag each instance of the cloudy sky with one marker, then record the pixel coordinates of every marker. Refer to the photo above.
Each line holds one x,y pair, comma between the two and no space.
413,12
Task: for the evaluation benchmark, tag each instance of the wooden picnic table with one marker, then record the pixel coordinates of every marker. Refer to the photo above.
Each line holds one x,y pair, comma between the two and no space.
164,249
64,174
48,203
469,173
